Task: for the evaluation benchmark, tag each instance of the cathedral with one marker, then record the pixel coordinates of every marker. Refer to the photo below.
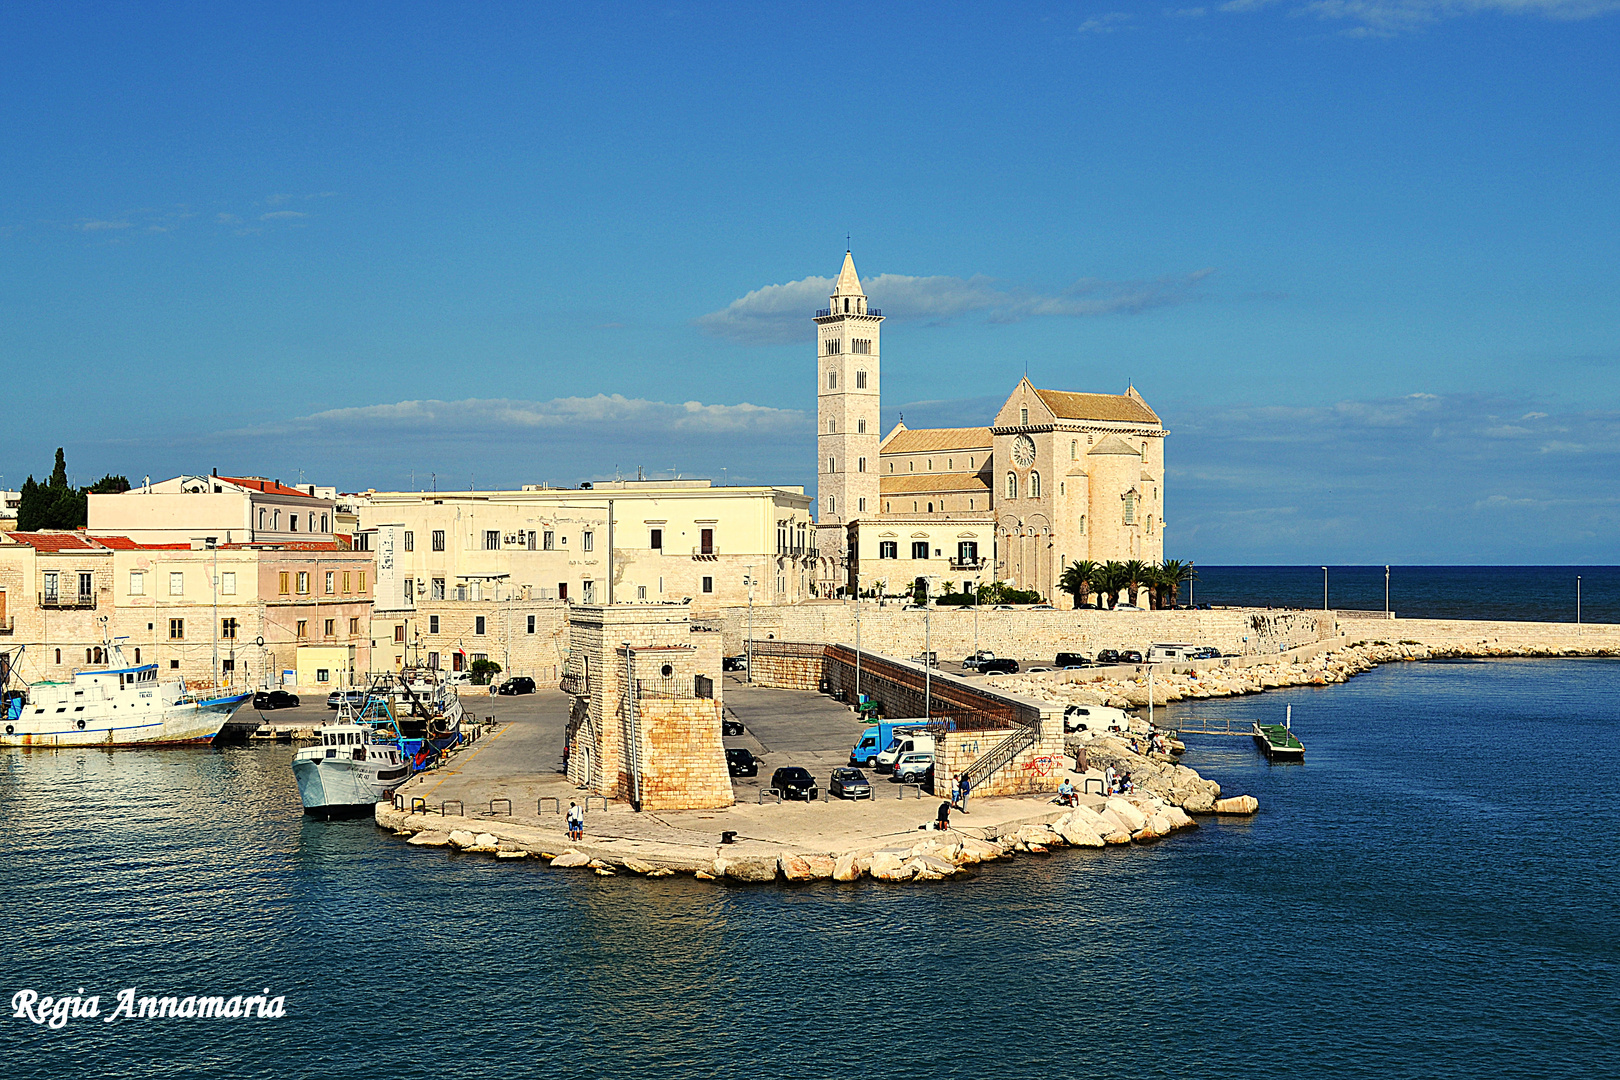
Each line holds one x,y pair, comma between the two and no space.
1057,476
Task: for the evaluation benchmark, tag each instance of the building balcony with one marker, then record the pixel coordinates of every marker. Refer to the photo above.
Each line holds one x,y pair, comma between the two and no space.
827,313
973,565
81,602
709,551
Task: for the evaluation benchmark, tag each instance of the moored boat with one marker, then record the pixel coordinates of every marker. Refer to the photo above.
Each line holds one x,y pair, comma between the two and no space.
354,766
1278,743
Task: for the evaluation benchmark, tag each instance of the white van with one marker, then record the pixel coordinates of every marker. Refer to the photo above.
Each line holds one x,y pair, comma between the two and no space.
1094,718
1163,654
903,743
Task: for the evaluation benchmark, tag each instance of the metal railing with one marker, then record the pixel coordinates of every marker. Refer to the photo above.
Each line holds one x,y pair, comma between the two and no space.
461,811
599,798
772,792
67,602
669,688
1000,755
701,552
540,805
508,803
968,564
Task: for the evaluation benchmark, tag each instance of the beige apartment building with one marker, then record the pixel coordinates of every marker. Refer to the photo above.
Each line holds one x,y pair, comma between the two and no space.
242,616
232,509
468,575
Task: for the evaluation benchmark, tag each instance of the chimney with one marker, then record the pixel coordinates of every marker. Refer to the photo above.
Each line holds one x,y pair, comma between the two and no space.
216,470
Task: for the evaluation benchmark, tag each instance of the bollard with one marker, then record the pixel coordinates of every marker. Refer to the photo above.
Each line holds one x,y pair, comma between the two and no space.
599,798
461,811
556,803
777,795
399,802
508,803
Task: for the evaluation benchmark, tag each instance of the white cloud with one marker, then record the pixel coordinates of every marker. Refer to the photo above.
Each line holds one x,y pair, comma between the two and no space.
1388,17
277,215
102,226
777,314
1104,24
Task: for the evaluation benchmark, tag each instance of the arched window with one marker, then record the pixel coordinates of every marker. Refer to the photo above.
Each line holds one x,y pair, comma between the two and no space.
860,464
261,517
292,522
275,521
312,521
1150,524
930,508
1074,449
324,525
832,507
1082,523
860,427
860,380
1012,485
832,464
832,380
1034,485
846,305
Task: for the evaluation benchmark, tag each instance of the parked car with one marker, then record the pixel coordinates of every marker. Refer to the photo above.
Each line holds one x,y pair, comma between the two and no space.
1130,656
972,663
903,743
1127,607
794,783
1042,607
1069,659
275,699
739,762
517,684
1108,656
1002,607
1002,665
915,769
355,699
734,663
731,727
849,784
927,659
1206,653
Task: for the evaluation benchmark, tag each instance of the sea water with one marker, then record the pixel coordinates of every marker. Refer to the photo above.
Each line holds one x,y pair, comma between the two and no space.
1431,894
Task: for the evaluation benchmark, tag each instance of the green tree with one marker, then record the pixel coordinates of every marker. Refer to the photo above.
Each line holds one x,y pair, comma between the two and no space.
1076,580
55,505
484,670
1174,572
1109,579
1135,578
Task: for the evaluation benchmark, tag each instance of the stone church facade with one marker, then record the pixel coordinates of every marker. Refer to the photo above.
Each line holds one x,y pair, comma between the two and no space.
1057,476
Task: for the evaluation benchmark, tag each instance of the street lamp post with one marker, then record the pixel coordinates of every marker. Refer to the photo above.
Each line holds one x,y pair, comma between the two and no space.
1324,588
857,654
748,648
1386,592
928,644
1577,599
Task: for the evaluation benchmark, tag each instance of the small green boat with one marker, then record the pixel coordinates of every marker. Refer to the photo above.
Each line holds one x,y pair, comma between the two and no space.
1277,742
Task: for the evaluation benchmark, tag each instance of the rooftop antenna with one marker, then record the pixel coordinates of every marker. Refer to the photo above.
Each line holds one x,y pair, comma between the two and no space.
847,248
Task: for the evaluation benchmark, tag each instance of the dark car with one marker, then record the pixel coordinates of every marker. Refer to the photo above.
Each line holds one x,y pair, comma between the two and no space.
794,783
275,699
354,698
849,784
1130,656
741,763
1069,659
1108,656
734,663
731,727
517,684
1003,665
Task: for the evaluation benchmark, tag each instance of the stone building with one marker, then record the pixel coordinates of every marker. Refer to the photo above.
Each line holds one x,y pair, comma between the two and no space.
233,509
1057,476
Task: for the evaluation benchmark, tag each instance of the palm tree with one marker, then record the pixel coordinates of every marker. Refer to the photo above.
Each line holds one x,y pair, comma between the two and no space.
1076,580
1153,578
1135,577
1108,581
1176,571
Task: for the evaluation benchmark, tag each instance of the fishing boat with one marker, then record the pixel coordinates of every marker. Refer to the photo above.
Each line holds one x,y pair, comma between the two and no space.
114,707
355,764
1277,741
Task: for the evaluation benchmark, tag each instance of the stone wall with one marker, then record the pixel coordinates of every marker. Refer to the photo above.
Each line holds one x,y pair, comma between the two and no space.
1024,633
1037,768
683,764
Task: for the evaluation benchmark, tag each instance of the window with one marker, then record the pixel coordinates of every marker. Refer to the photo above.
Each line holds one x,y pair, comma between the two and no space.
177,583
860,376
588,590
261,517
433,624
832,505
303,582
863,501
533,536
548,540
832,427
438,539
362,587
492,540
323,674
531,624
324,523
1150,525
302,631
399,632
330,630
174,665
331,582
478,625
1023,416
562,590
51,588
706,542
833,346
284,577
832,464
1034,485
888,549
860,427
967,551
275,521
410,540
312,521
656,540
226,664
177,629
227,583
1012,485
891,466
227,629
1082,523
362,541
137,583
354,626
708,584
410,590
588,541
641,592
919,549
1130,508
1074,449
292,522
832,376
438,588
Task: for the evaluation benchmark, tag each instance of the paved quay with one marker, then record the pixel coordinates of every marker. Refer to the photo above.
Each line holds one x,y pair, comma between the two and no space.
521,761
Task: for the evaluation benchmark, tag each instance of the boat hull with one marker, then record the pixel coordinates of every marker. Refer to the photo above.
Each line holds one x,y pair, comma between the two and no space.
340,787
1277,744
190,723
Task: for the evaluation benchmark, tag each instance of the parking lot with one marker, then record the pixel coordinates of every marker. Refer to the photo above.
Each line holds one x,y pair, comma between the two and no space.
790,727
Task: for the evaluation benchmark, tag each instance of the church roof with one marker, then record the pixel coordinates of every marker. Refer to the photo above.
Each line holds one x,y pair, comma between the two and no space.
849,283
1126,408
1115,445
928,440
929,483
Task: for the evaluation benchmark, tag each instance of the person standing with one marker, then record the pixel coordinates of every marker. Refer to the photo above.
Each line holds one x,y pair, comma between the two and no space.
576,822
1108,780
963,792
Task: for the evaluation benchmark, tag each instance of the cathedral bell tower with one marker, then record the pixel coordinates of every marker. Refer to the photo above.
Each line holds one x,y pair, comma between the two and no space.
847,403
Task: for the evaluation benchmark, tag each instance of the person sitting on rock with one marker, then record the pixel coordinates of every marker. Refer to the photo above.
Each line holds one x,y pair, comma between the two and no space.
1066,794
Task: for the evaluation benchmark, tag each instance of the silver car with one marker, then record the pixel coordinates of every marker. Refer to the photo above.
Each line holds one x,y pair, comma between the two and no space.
914,768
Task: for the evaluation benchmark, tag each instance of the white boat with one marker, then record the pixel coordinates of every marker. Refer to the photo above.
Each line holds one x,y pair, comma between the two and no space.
115,707
353,767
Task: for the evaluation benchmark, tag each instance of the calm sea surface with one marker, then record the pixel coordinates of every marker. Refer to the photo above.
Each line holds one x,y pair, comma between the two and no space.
1533,593
1431,895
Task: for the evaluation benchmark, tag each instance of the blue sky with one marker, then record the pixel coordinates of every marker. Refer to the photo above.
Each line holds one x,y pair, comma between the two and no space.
1362,255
